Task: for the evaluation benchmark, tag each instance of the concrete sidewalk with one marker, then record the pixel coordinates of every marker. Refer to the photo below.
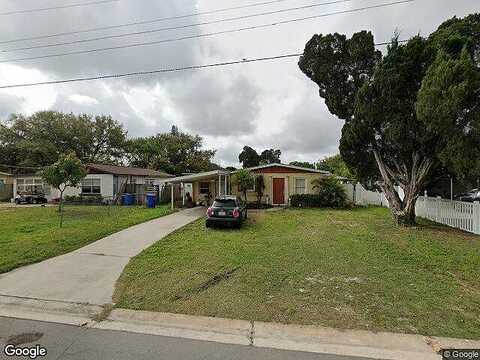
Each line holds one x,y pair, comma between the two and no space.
88,275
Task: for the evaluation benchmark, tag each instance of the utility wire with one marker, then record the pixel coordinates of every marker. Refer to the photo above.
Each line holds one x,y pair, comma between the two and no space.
166,70
144,22
29,11
206,34
310,6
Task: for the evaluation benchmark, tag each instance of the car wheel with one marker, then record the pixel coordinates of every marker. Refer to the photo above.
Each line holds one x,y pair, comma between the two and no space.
17,202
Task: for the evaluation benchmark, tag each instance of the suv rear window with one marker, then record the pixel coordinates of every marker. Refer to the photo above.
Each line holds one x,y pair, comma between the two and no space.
225,203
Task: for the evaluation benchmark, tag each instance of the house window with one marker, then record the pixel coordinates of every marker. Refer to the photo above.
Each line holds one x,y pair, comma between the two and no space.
91,187
300,186
204,187
32,185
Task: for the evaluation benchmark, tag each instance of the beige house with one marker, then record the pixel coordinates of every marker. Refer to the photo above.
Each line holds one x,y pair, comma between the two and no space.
281,181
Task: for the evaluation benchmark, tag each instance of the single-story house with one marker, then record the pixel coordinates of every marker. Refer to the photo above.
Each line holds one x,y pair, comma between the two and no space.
104,180
280,180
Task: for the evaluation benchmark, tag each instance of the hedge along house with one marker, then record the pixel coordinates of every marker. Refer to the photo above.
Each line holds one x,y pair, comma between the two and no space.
282,181
107,181
202,187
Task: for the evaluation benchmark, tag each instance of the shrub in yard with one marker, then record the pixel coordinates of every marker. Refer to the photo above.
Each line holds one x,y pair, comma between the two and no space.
330,194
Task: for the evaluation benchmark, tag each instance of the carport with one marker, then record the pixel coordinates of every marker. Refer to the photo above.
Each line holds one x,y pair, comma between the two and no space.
202,187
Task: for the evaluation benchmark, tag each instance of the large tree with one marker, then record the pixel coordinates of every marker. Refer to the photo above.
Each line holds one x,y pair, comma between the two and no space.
39,139
407,113
249,157
174,152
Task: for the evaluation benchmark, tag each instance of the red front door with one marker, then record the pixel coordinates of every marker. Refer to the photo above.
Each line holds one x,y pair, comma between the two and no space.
278,191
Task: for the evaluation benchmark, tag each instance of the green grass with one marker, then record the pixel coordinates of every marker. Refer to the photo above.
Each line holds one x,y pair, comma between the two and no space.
32,234
344,269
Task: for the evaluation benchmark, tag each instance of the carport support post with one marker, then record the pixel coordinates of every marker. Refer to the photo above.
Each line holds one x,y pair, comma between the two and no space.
171,196
225,181
219,185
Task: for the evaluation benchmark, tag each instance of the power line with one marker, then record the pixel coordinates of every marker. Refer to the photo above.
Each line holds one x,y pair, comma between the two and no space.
144,22
166,70
176,27
29,11
206,34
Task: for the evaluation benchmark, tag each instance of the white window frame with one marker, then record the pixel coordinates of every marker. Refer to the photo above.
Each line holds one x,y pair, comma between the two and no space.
304,186
91,186
32,184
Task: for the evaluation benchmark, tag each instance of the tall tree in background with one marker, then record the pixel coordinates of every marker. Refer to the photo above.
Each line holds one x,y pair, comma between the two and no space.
40,139
304,164
174,152
270,156
403,118
336,166
249,157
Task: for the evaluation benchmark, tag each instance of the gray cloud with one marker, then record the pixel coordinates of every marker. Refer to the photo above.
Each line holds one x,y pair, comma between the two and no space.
264,105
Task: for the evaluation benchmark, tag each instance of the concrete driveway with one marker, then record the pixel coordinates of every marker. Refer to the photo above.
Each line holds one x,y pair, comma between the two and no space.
88,275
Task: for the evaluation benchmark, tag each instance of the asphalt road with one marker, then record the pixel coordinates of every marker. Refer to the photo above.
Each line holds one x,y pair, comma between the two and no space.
75,343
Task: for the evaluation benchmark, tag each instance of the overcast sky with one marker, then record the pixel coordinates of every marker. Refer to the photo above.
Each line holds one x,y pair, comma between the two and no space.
264,105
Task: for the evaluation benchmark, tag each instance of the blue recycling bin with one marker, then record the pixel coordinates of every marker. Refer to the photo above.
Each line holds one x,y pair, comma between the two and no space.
151,200
128,199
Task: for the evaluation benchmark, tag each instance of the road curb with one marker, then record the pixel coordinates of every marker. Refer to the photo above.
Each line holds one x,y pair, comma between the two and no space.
177,325
314,339
48,311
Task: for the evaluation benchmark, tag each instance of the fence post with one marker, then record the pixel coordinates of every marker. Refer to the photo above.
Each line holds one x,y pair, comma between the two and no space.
476,217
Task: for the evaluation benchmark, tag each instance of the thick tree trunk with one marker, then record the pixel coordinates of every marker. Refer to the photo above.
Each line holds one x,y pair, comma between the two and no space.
411,179
403,211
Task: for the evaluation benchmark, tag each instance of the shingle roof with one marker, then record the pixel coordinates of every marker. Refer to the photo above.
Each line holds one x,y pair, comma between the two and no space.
125,170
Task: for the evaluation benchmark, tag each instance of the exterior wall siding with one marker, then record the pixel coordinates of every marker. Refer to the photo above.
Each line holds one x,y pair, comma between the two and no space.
290,180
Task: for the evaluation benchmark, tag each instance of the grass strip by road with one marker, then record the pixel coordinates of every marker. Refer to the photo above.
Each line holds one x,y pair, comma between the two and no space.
32,234
336,268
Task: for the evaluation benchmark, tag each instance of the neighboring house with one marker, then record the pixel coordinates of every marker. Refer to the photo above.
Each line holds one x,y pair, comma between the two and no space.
103,180
6,186
281,181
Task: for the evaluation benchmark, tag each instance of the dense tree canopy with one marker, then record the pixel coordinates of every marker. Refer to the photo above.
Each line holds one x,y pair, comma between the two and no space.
40,139
250,158
304,164
174,152
336,166
408,113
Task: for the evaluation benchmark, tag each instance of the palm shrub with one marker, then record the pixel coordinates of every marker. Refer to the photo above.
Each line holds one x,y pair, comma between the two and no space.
330,194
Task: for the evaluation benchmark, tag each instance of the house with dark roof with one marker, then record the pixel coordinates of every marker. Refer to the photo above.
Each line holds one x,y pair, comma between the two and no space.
281,181
108,181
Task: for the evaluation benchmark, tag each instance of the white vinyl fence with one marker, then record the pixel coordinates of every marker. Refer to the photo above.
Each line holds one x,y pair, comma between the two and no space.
360,196
457,214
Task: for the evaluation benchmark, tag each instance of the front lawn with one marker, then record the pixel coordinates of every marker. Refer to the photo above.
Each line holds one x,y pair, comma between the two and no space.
32,234
344,269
